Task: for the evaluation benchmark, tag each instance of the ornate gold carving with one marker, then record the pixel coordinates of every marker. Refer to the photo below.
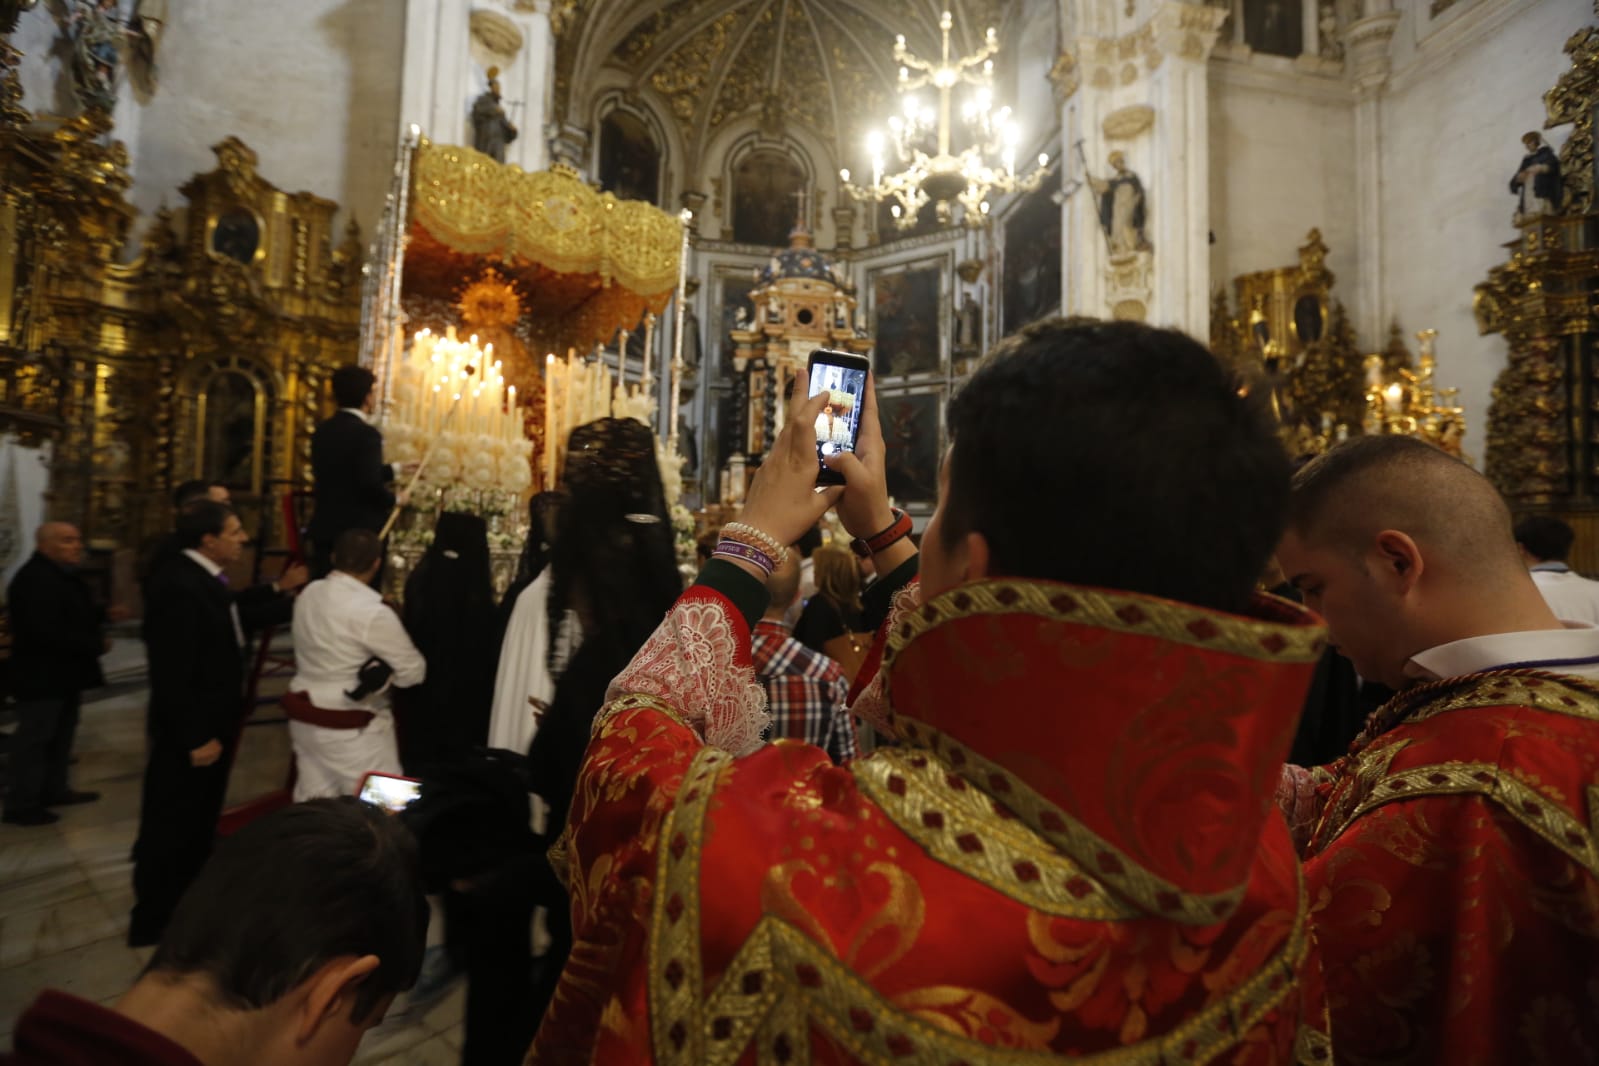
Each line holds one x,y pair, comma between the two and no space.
1065,75
1571,102
117,359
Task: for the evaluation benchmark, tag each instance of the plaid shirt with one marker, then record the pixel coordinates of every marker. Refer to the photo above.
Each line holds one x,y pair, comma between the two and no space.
805,691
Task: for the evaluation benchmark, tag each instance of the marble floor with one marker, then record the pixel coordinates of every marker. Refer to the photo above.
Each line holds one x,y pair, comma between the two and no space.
65,889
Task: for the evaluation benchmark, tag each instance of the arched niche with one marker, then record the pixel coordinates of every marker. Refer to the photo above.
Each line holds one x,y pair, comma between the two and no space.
231,426
764,182
631,155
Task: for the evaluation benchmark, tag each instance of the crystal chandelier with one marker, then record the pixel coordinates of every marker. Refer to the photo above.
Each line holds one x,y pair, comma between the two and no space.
933,172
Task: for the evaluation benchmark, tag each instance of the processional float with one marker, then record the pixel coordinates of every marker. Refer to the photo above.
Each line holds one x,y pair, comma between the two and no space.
490,296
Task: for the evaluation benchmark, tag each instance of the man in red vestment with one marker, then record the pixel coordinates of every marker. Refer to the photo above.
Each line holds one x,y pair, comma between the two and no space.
1452,852
1071,850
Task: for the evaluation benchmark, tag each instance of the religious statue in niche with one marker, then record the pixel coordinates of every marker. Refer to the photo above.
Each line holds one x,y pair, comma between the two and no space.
491,130
94,30
1331,44
1121,208
968,325
1537,181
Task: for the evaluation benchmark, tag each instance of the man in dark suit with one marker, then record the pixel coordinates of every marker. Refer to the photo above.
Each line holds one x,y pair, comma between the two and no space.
354,487
57,644
194,638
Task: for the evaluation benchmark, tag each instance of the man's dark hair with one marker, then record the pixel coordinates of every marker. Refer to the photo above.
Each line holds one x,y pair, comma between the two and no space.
356,550
288,893
198,519
1545,537
1117,455
188,492
351,385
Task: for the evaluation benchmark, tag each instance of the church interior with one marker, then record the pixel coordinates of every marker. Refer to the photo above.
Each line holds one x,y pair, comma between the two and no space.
567,209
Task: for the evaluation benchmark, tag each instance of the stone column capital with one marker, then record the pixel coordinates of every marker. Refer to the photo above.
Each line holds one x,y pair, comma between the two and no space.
1366,43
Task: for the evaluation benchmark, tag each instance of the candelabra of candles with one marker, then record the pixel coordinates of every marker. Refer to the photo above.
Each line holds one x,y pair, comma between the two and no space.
1410,402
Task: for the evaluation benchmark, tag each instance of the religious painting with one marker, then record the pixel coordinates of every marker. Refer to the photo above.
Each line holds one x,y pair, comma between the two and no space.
1032,261
630,160
1275,26
906,318
766,188
913,444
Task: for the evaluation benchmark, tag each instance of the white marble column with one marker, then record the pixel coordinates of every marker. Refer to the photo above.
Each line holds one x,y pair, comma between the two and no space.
1367,43
1144,94
445,69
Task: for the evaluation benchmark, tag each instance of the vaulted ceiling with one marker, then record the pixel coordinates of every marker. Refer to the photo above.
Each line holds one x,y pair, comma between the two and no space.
824,64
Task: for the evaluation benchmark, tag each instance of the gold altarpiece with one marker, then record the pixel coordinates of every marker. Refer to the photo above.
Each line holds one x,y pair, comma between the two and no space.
1543,421
206,355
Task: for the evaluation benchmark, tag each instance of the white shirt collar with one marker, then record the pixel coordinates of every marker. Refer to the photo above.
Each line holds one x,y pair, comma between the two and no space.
1574,649
358,413
210,567
354,585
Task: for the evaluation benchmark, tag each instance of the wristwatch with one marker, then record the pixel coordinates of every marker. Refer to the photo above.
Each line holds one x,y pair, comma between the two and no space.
897,531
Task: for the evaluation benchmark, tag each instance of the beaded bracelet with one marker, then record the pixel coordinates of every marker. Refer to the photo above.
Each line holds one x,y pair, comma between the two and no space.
735,549
755,538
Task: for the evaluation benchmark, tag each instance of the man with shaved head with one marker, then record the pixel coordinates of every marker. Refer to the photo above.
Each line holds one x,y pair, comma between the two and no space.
1452,854
57,643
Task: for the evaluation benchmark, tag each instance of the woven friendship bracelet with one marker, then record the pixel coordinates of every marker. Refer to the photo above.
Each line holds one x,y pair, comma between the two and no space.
755,538
735,549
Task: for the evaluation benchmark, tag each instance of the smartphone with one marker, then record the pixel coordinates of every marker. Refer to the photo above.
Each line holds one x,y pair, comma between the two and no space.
843,377
390,791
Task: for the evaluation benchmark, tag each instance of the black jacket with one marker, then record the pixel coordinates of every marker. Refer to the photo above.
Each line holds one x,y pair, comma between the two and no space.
196,663
353,485
56,636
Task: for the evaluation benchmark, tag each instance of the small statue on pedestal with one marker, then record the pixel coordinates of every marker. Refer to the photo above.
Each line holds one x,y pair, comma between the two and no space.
1121,208
491,130
1537,180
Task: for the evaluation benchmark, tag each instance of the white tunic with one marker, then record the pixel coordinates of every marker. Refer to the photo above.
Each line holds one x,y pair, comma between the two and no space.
339,623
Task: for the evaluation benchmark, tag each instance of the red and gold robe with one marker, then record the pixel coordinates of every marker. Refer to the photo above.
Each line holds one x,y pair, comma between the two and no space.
1073,850
1454,866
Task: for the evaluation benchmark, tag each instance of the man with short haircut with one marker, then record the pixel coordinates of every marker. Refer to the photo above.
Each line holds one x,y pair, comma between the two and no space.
188,492
1070,850
289,946
340,722
1452,853
1545,543
805,690
353,485
194,635
58,637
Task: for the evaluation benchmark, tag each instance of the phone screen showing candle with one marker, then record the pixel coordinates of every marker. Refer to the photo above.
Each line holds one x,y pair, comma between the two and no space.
843,377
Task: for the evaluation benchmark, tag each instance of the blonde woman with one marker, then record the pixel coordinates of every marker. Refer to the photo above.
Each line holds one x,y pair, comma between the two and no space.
833,619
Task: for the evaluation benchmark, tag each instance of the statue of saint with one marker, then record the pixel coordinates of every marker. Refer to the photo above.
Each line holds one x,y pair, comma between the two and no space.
968,325
1537,180
491,130
95,31
1121,208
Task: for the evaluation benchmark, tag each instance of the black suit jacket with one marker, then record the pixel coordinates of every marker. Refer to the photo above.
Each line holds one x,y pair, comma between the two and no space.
353,486
196,663
56,636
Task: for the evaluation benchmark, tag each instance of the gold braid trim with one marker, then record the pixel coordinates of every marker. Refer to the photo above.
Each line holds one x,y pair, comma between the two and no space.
1534,810
1564,694
956,824
602,720
781,983
676,978
1073,842
1312,1047
1118,612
